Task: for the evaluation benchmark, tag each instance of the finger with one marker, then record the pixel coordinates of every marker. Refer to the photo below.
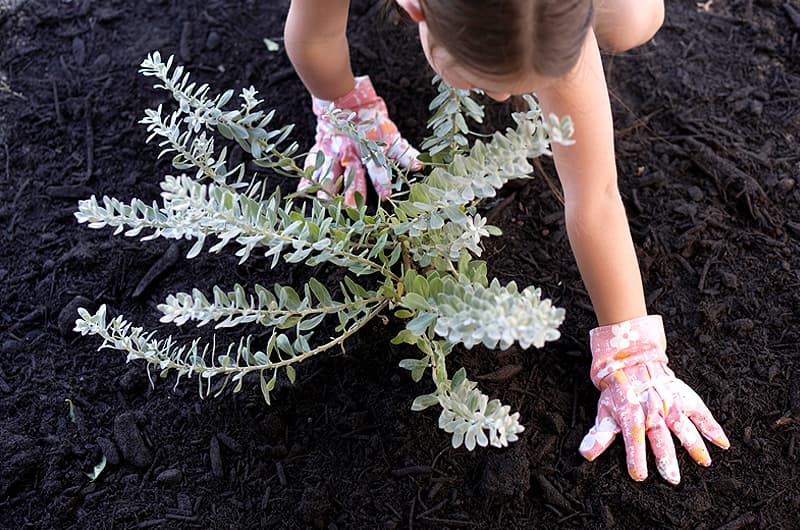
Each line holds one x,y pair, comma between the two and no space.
354,178
663,449
632,422
405,155
325,173
385,131
601,435
380,179
630,417
690,438
694,407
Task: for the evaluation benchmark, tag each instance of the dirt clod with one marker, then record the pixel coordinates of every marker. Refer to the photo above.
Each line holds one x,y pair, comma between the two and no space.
162,265
170,476
506,474
109,450
69,314
216,457
314,506
129,439
551,495
22,458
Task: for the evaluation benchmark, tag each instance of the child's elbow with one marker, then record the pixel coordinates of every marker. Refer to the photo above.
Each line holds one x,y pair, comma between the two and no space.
636,22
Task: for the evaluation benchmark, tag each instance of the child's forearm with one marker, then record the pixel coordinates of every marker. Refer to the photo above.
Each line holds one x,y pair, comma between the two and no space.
605,254
595,217
316,43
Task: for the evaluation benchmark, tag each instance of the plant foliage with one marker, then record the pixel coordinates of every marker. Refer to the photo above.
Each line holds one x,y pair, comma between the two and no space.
422,249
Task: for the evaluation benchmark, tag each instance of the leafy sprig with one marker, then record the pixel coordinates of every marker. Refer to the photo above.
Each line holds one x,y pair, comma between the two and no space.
448,124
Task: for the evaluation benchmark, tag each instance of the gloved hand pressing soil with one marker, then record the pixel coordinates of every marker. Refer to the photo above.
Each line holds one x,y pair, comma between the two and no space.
342,156
639,394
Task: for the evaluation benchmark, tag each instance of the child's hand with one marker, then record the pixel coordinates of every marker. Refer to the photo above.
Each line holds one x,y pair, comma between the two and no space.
342,155
639,394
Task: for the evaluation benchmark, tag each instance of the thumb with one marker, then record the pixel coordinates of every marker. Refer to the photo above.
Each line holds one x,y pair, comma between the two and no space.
601,435
405,155
354,176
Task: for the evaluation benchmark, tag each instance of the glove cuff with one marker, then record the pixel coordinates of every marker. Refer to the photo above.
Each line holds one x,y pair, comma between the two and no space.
626,344
363,94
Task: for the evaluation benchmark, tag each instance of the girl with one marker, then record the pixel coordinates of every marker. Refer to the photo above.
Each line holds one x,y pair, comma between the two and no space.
551,47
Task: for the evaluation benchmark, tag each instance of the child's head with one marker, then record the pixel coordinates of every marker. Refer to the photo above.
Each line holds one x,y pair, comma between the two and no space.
503,47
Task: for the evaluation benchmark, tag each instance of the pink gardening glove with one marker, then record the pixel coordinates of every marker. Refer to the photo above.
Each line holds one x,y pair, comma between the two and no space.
343,156
639,394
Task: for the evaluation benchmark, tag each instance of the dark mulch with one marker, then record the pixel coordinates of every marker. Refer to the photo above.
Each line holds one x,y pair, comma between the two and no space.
708,124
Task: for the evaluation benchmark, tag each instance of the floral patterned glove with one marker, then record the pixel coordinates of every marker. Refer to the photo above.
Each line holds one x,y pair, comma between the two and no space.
342,156
639,394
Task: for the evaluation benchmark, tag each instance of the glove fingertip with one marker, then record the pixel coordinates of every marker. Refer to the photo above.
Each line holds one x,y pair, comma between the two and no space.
699,454
594,444
303,184
589,455
720,439
668,468
637,474
406,156
409,159
713,432
385,193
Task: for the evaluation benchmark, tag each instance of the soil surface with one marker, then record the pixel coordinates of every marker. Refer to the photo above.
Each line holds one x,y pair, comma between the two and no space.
708,125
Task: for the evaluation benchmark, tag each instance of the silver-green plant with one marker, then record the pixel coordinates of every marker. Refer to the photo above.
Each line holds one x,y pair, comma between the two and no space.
448,124
422,248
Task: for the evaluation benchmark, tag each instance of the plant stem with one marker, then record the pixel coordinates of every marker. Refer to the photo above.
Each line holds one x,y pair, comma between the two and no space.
126,344
230,311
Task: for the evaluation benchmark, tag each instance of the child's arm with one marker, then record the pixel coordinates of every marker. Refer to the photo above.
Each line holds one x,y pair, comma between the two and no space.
640,396
316,43
595,216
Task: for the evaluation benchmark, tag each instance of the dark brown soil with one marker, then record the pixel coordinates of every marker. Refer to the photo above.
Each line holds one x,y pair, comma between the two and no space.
708,125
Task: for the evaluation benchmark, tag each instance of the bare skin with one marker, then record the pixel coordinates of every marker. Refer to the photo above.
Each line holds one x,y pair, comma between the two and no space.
316,42
596,222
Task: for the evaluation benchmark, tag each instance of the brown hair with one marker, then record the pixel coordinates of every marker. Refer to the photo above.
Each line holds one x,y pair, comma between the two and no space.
505,37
